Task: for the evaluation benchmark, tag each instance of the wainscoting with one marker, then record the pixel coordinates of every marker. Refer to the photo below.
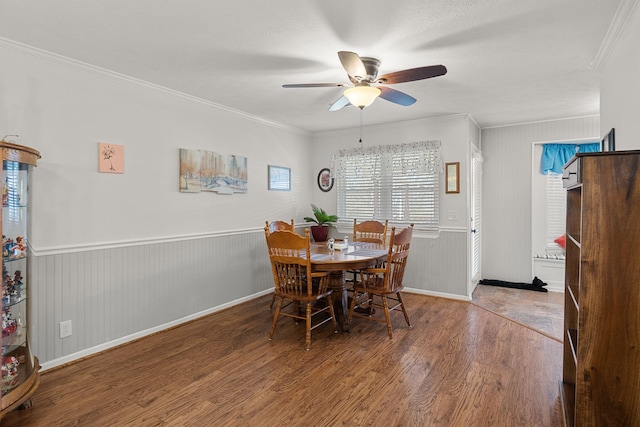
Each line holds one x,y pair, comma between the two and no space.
121,292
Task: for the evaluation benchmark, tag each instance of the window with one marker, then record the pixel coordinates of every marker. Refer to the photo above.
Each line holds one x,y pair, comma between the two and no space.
395,182
556,213
549,198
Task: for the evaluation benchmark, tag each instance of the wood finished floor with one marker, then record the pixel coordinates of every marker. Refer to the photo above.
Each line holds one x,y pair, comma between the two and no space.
542,311
460,365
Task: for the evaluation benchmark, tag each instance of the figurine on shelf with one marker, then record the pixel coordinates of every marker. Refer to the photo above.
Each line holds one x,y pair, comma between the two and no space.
6,244
6,283
9,372
14,248
14,287
7,288
11,288
6,297
17,278
9,324
20,248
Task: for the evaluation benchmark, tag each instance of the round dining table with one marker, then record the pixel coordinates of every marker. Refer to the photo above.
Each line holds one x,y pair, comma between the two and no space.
358,255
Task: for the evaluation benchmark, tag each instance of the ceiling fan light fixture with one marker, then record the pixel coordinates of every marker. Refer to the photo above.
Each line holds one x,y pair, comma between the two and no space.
362,96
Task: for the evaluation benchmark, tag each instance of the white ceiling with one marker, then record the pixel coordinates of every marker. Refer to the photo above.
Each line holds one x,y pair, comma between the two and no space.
509,61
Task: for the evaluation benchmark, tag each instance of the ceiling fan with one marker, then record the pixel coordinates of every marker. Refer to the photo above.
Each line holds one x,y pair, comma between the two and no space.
363,74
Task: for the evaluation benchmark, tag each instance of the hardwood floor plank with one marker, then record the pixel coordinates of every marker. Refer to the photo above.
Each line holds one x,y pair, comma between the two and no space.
458,365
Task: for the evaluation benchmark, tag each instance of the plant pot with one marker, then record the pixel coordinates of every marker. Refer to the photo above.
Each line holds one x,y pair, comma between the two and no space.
320,233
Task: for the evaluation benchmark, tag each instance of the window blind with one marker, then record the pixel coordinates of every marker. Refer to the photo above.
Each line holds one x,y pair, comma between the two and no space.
395,182
556,213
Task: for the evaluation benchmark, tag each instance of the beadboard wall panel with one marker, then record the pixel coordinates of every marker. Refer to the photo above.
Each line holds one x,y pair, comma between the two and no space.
438,266
116,294
110,294
506,188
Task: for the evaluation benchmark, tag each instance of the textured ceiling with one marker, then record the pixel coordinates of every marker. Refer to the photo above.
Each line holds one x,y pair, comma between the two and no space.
509,61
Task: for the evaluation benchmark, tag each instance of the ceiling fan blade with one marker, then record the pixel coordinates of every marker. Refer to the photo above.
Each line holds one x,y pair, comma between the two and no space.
352,64
314,85
339,104
413,74
396,96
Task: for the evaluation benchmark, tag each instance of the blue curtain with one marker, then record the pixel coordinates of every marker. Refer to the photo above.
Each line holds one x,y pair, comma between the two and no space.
555,156
589,148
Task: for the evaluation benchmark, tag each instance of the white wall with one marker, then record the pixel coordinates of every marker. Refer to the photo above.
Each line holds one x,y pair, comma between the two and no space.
620,85
506,186
64,110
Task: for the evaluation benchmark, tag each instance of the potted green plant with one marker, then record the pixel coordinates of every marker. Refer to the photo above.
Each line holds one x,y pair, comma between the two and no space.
323,220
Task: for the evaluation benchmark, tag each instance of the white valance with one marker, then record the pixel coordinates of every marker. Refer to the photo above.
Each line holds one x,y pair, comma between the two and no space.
421,156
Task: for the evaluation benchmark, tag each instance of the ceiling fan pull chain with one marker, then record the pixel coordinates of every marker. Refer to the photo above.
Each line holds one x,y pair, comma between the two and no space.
361,113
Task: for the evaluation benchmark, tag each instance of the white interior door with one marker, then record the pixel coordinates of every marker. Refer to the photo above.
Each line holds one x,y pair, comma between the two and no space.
476,219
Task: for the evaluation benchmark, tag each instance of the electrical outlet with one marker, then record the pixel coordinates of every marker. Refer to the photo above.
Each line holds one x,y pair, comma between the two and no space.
65,329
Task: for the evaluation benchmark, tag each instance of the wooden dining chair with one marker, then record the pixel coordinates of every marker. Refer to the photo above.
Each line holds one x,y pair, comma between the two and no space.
279,225
275,226
369,231
296,285
384,282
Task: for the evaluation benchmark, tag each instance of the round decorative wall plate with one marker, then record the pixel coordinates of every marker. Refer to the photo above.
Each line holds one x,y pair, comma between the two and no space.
325,182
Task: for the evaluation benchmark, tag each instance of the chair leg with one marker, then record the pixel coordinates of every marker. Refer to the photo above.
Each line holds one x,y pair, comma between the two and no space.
273,299
404,310
297,311
371,309
333,315
352,306
276,315
308,332
386,315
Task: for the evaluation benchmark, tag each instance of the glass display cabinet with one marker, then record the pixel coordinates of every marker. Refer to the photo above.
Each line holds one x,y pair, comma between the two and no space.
20,368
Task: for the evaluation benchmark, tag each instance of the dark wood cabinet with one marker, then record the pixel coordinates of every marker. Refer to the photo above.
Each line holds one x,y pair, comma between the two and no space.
601,363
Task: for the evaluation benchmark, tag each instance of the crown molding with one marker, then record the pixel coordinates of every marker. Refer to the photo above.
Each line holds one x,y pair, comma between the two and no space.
618,23
64,61
540,121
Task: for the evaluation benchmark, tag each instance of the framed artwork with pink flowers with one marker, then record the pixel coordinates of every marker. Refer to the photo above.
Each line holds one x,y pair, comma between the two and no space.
110,158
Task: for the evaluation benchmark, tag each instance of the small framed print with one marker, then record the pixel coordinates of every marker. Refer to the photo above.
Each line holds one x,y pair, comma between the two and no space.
110,158
279,178
325,182
453,177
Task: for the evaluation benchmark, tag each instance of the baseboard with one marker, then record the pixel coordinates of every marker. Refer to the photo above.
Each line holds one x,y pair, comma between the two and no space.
438,294
73,357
